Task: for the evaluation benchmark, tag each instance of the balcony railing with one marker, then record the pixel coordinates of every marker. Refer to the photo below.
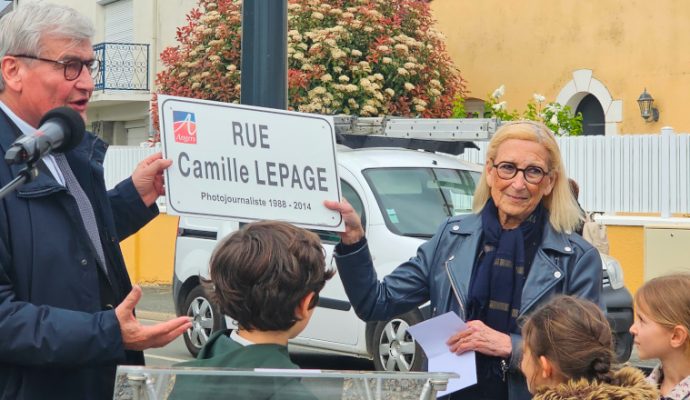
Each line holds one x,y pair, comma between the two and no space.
124,66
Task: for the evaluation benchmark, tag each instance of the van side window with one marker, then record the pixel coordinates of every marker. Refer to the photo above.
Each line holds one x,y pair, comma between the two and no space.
415,200
353,198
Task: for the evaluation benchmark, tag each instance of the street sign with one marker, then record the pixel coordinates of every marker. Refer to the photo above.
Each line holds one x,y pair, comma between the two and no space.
249,163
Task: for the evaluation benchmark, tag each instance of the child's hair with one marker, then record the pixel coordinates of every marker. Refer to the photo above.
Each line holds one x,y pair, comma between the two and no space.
260,273
666,301
574,335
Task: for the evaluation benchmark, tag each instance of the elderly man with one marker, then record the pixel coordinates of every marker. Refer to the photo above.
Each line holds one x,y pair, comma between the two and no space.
66,302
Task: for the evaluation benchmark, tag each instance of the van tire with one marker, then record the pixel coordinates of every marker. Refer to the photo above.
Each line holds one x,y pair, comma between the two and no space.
394,349
206,319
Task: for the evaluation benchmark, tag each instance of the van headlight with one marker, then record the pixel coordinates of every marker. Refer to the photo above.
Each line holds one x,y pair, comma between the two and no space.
614,271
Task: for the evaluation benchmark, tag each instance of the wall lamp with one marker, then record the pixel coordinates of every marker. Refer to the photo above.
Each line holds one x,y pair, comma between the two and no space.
647,110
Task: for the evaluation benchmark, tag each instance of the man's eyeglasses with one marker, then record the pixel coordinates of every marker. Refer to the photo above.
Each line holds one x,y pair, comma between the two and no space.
532,174
72,68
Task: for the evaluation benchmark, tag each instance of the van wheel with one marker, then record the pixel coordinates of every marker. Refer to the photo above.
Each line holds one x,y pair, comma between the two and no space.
393,346
206,319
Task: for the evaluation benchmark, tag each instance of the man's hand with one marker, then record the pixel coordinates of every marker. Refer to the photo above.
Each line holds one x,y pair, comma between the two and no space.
148,177
353,225
136,336
481,338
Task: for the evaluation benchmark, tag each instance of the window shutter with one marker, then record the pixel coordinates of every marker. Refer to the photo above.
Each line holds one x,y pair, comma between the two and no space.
119,22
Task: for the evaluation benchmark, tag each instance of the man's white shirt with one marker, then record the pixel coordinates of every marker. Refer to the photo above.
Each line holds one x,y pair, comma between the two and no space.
27,130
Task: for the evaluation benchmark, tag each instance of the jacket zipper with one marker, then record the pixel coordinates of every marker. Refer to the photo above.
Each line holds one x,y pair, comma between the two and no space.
454,288
504,368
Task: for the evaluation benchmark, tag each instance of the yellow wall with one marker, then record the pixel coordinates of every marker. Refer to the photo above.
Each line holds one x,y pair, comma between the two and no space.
626,244
150,253
534,46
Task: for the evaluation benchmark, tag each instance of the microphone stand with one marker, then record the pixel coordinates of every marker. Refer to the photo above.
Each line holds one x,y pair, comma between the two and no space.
27,174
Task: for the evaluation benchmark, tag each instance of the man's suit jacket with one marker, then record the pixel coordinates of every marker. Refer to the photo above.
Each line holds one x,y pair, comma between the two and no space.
59,337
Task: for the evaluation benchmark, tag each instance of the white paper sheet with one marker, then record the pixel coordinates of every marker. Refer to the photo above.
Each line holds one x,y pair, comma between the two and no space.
432,335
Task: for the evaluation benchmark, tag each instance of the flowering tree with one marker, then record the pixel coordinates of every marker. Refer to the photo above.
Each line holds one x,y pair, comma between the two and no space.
364,57
558,118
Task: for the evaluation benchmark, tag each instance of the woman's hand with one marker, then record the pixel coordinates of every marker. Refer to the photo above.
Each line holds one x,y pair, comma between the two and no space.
481,338
353,225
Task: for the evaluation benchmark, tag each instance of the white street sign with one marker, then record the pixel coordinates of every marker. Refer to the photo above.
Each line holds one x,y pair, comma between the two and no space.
249,163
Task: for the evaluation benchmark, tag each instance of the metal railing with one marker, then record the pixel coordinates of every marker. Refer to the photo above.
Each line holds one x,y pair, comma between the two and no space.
124,66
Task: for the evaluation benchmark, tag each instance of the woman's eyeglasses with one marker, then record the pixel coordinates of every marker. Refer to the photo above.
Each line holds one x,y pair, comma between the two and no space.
507,170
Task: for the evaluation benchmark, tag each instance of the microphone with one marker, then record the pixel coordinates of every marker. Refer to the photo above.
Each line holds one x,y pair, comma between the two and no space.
60,130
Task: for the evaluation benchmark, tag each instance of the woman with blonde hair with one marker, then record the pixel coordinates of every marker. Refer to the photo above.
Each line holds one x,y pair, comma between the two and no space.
662,330
514,252
568,354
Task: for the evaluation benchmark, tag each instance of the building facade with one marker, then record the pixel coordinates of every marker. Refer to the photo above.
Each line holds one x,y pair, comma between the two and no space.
130,34
597,57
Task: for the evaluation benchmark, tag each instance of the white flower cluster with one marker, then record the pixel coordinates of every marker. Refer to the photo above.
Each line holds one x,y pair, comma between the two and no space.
498,93
339,59
210,17
500,106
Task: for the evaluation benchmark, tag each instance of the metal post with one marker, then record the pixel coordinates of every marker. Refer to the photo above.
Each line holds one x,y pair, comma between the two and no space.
103,66
431,387
264,53
137,382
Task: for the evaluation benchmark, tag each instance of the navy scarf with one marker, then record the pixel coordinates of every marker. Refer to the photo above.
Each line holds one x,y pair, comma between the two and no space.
496,286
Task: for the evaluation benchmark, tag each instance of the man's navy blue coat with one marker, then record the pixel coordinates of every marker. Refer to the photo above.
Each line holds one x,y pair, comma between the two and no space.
58,339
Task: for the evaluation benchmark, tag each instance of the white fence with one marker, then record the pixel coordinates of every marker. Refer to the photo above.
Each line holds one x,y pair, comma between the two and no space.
120,162
626,173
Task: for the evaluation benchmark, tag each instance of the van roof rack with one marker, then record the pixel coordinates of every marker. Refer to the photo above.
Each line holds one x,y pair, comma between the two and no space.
451,136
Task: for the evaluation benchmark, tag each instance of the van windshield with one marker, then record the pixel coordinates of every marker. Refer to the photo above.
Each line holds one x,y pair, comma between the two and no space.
415,201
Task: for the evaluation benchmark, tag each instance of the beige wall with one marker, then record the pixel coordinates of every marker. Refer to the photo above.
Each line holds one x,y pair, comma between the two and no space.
155,23
91,10
536,45
666,250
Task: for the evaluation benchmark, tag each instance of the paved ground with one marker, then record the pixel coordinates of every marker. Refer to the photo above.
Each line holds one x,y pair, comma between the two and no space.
157,305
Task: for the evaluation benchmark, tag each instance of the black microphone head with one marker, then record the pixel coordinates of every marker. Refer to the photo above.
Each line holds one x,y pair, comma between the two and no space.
72,123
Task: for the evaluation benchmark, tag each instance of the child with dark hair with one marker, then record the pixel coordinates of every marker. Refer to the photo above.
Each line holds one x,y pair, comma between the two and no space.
662,330
568,352
267,276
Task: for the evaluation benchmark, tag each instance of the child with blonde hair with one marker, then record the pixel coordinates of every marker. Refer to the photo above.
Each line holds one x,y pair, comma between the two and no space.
662,330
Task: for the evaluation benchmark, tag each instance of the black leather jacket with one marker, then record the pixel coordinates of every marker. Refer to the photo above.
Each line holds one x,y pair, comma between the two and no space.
564,264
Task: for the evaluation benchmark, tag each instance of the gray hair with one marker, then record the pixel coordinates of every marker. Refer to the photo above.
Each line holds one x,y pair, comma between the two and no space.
22,29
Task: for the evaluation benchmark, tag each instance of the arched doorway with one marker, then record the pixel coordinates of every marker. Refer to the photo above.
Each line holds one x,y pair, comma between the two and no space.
584,85
593,120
